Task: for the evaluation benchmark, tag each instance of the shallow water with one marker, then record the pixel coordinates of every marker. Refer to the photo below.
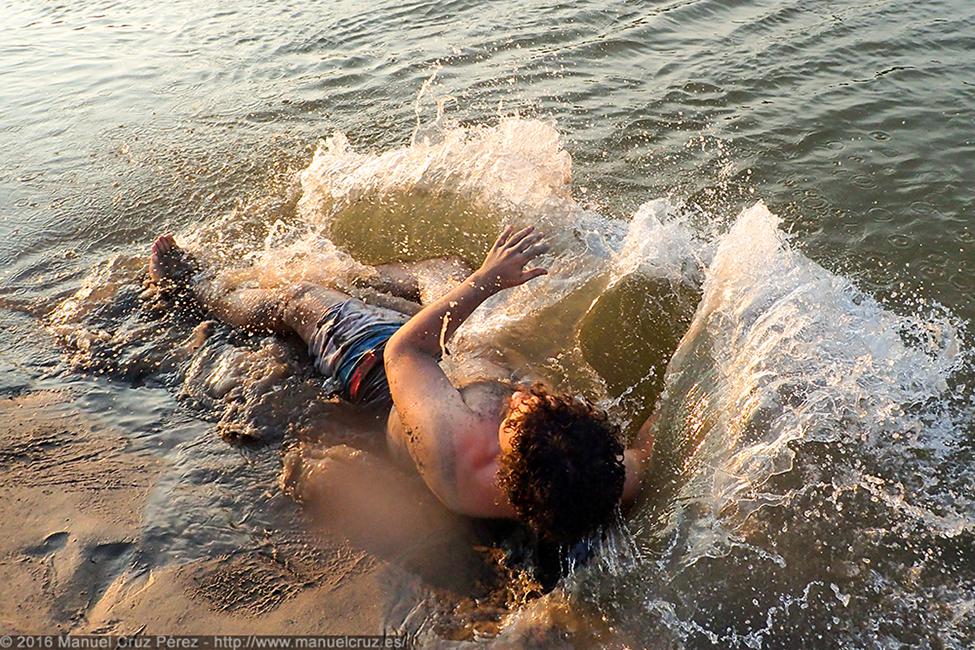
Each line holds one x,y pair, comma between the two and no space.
816,476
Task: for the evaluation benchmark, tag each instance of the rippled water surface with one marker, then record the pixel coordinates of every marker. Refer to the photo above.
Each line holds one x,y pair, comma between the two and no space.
770,201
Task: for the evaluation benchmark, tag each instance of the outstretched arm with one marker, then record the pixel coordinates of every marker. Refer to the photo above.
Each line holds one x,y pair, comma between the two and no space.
637,459
433,413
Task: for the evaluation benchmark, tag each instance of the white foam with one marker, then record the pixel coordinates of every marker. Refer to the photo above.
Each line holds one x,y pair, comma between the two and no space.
660,243
519,164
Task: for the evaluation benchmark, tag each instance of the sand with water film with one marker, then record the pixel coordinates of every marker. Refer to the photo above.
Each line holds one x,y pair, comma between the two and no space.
80,498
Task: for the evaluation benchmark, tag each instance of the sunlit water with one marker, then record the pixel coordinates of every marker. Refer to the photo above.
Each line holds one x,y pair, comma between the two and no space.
762,218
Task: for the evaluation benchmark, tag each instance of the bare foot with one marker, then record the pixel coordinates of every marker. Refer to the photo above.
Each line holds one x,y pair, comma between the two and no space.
170,267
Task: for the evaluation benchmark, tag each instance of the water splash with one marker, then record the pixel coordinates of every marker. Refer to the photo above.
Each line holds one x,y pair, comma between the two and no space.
804,426
800,419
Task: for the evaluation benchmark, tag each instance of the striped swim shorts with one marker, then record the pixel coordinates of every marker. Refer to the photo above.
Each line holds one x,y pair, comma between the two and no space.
348,349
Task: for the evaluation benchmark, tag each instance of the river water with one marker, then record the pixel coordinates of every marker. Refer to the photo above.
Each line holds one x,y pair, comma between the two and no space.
763,224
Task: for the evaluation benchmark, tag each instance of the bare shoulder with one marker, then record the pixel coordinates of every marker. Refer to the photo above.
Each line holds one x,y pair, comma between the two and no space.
487,399
456,454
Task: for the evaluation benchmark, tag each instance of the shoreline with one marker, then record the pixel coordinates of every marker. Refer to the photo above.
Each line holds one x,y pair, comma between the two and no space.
69,563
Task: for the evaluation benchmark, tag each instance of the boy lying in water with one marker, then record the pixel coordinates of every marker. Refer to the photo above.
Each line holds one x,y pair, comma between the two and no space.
487,449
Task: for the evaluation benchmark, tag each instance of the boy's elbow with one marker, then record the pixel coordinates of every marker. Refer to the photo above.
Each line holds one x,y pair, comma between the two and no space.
397,347
391,351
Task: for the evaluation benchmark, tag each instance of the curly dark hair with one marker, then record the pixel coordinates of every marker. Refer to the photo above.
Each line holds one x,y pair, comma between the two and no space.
564,472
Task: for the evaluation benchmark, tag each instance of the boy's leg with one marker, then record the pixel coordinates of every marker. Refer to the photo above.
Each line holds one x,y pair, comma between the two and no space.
256,310
295,308
302,306
298,307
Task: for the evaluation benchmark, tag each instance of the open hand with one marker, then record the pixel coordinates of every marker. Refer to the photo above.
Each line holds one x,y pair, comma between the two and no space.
504,266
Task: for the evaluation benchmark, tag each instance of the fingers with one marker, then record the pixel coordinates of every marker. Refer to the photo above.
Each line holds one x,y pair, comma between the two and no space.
512,251
539,247
516,239
521,241
529,241
531,274
503,237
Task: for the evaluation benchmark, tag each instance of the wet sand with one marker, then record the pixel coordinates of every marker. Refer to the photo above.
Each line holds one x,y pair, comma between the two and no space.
73,559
